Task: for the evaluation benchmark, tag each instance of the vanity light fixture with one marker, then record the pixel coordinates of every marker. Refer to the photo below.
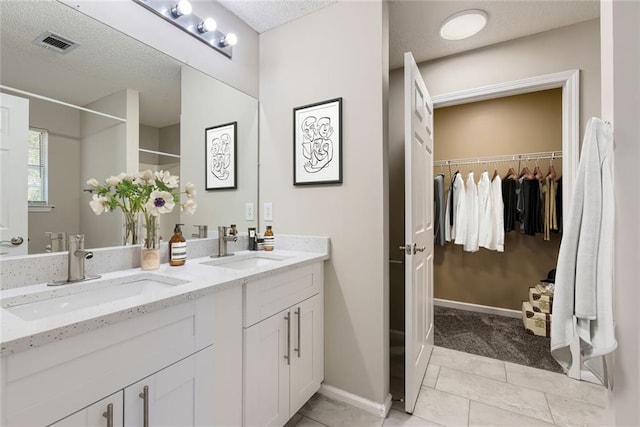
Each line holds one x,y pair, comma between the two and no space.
463,24
180,13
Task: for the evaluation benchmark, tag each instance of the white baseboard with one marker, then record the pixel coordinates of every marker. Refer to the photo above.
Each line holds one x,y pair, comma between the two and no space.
477,308
379,409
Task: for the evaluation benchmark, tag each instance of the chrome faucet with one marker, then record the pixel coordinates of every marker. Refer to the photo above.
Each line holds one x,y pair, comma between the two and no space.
203,231
77,255
223,239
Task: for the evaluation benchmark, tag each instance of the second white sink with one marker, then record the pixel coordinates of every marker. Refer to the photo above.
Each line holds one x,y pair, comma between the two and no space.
246,261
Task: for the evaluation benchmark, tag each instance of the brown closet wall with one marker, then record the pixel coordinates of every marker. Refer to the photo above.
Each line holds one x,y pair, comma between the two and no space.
512,125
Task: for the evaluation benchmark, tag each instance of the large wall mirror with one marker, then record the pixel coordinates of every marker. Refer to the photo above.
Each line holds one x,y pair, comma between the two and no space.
166,106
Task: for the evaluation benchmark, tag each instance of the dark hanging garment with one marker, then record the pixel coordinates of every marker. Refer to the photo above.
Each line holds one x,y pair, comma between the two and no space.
559,204
510,200
451,206
533,211
523,204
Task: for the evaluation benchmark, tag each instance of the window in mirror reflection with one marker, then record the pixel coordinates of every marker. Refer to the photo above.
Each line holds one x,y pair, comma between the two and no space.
37,167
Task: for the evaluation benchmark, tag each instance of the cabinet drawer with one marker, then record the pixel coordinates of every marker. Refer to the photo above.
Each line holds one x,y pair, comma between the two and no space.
264,298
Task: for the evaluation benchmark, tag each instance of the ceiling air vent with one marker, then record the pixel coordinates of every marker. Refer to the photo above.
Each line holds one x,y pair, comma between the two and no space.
55,42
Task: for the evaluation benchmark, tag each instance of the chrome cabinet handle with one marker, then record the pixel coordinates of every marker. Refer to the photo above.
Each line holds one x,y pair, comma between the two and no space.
145,398
288,356
109,415
299,349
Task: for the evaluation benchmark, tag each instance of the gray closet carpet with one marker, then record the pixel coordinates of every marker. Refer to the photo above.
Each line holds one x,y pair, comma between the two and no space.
498,337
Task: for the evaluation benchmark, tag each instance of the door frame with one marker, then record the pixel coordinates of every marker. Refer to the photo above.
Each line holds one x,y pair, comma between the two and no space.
569,81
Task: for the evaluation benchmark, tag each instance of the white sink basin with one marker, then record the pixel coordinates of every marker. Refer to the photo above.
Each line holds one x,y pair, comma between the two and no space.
246,261
82,295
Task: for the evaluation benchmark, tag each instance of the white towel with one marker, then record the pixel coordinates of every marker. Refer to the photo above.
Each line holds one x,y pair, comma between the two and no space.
584,276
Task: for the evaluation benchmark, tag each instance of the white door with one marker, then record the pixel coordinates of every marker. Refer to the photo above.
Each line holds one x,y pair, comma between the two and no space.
307,367
166,398
267,355
418,166
14,130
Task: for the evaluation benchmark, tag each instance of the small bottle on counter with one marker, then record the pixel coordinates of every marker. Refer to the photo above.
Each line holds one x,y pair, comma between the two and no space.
260,241
253,244
268,239
177,247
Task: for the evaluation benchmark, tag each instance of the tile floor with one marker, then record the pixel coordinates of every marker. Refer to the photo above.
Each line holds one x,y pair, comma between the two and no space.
462,389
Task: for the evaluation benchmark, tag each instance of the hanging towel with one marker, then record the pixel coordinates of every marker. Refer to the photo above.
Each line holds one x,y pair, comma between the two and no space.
497,241
584,275
471,200
439,209
485,211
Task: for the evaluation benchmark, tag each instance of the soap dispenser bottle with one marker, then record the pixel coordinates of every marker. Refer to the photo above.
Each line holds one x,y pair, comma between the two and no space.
268,239
177,247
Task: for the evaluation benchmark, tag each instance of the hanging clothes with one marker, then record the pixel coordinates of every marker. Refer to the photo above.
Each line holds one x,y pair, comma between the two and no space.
456,226
510,200
559,203
439,210
485,211
584,275
471,199
531,215
497,240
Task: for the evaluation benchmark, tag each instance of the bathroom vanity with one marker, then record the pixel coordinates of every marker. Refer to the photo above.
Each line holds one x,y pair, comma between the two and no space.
133,348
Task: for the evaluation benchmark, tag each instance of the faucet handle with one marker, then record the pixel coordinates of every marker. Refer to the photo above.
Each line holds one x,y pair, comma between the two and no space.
222,231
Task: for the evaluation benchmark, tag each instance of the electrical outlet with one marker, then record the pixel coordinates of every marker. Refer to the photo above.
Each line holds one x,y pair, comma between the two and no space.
248,211
268,211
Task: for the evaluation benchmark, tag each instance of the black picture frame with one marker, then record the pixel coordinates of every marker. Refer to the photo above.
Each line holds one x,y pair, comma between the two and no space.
221,157
317,143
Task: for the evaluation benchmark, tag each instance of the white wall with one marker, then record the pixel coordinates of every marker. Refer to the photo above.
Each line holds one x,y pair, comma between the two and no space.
240,72
206,102
621,103
63,125
315,58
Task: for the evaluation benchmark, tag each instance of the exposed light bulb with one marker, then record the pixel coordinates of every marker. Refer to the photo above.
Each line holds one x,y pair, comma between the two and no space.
231,39
207,25
182,8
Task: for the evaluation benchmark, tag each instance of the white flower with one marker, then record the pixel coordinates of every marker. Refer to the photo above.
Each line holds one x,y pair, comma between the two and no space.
98,204
160,202
113,180
190,190
169,180
146,176
125,177
93,183
189,206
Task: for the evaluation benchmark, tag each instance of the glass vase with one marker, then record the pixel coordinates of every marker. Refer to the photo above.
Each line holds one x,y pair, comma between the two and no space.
150,251
131,228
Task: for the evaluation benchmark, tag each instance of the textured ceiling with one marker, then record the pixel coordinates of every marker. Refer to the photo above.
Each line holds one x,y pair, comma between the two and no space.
263,15
106,61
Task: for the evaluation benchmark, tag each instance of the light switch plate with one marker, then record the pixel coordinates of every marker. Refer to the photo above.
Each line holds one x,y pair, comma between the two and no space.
268,211
248,211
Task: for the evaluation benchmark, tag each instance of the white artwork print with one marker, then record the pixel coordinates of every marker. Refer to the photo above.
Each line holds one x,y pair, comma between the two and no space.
221,157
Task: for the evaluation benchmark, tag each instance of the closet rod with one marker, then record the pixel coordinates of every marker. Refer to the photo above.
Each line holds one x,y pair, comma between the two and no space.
495,159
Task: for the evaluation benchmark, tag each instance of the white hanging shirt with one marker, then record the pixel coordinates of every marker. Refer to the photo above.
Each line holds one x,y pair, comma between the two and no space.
497,241
471,202
485,212
456,233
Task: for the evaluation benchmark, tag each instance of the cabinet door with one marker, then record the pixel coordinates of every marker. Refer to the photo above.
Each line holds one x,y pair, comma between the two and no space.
166,398
266,378
96,415
307,354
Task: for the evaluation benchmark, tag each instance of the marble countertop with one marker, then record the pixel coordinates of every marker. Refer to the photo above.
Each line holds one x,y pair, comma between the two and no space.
18,334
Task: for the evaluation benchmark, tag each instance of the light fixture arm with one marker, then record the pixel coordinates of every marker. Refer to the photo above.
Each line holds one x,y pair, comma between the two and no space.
191,24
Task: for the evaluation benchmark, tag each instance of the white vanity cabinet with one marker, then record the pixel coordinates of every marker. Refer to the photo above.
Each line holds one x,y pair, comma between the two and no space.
284,344
107,412
71,382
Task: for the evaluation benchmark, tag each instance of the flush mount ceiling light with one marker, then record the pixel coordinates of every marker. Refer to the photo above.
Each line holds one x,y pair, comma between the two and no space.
463,24
179,13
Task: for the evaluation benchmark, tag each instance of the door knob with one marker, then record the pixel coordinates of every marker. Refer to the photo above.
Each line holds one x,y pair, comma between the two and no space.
416,249
15,241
